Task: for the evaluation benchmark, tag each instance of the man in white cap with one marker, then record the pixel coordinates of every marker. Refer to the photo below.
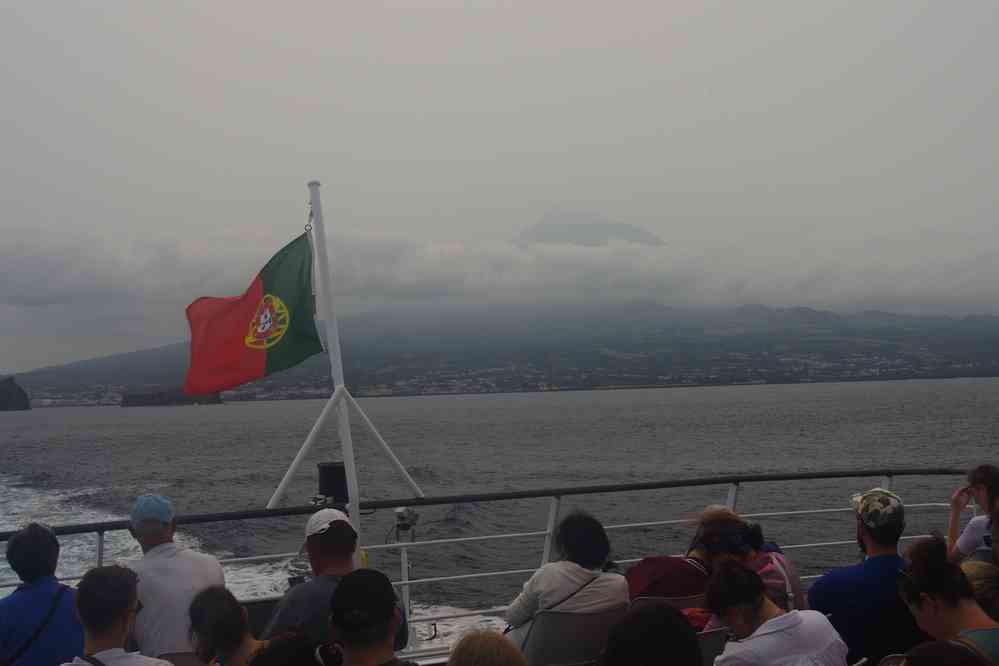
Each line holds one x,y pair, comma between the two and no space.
330,545
170,575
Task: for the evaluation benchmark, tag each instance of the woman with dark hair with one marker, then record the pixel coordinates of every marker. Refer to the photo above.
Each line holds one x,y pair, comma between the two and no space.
576,582
221,637
942,600
764,633
647,635
220,632
983,487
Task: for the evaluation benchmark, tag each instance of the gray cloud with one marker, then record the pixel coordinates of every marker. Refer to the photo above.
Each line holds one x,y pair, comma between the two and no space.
836,155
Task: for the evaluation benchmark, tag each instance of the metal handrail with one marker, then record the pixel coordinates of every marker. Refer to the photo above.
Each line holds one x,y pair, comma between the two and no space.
553,494
257,514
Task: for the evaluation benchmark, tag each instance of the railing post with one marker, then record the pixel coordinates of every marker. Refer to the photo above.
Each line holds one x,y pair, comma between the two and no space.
404,566
733,496
553,508
886,481
100,548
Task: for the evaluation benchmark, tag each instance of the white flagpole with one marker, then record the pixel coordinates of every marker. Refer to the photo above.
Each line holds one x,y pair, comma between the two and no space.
306,446
328,315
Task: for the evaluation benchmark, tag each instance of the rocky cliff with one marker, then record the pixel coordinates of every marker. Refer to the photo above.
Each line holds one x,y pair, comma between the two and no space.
12,397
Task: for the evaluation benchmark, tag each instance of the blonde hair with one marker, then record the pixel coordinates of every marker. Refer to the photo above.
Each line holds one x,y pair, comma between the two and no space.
984,579
719,513
486,648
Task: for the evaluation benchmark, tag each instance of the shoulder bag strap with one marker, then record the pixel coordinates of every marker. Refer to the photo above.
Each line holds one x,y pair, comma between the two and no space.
971,647
574,593
41,627
788,588
93,660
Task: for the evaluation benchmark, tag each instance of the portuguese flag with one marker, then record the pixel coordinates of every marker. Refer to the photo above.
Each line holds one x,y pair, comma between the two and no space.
269,328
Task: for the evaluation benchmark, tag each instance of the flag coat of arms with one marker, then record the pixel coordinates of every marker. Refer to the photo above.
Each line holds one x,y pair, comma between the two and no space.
269,328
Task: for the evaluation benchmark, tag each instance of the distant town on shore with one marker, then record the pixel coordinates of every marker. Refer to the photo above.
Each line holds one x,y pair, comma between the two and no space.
636,345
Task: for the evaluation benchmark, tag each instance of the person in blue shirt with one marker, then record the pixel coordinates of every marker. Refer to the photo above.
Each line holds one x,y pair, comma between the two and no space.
862,601
38,621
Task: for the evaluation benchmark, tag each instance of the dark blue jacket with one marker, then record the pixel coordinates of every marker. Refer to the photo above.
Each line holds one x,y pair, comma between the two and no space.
864,607
23,611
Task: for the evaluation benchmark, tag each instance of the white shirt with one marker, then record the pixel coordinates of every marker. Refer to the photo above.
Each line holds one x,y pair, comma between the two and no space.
118,657
170,576
972,539
797,638
552,583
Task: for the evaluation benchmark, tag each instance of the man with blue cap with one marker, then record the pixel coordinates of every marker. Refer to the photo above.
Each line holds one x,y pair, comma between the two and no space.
170,575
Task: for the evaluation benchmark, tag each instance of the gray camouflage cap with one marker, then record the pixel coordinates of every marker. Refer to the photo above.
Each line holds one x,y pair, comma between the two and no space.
879,508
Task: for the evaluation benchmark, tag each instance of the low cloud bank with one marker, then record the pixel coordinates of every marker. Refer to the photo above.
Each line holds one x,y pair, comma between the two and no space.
83,295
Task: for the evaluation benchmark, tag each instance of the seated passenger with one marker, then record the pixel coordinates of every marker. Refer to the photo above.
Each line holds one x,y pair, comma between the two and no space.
365,618
38,623
170,575
107,600
862,600
485,648
220,630
738,540
984,579
941,599
646,635
330,545
576,583
982,487
672,576
765,633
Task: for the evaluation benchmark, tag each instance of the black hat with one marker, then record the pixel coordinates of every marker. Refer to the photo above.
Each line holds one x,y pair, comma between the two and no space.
362,598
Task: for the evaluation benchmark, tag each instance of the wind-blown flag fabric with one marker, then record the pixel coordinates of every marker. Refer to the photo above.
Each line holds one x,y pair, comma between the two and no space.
269,328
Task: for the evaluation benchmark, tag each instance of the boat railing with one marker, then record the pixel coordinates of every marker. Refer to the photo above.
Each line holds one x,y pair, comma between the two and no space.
732,483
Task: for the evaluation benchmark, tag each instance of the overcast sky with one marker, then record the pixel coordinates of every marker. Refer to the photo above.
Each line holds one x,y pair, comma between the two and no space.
838,155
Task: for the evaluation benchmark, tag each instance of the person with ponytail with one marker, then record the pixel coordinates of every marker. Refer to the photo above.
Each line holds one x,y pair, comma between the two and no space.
220,631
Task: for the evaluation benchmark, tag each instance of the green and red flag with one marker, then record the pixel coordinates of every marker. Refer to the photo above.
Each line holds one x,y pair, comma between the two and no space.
271,327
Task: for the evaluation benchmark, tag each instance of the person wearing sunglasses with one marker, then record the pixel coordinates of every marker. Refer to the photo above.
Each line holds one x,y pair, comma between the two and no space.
107,601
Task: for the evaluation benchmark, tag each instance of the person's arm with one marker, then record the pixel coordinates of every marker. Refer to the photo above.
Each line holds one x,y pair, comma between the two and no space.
958,501
525,605
817,596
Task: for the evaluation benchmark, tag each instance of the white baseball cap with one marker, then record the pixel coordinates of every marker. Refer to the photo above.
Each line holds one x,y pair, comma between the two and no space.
321,520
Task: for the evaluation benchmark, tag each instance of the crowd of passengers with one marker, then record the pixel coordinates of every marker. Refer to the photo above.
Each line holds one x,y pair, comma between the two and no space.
937,605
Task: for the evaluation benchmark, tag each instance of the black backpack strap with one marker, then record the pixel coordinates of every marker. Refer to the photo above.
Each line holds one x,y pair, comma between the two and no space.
92,660
41,627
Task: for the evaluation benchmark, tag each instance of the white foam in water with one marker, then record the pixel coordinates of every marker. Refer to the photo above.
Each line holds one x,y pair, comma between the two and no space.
21,504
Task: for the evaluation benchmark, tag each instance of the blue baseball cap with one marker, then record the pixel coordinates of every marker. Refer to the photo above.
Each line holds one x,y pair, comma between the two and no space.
151,507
